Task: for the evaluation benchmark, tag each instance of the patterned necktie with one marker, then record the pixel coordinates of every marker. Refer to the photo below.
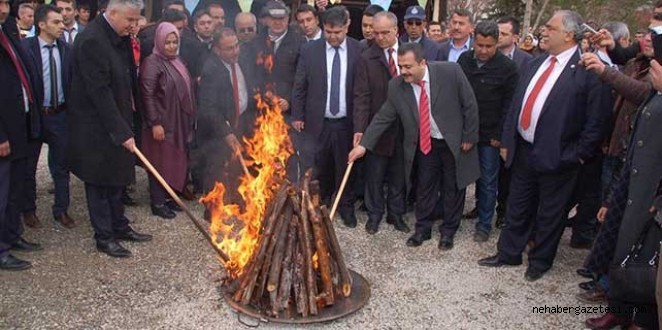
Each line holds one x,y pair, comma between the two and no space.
391,63
334,102
425,139
4,42
52,69
525,122
235,95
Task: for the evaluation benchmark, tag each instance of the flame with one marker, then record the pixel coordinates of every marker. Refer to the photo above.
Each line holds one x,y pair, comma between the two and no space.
266,60
315,258
236,229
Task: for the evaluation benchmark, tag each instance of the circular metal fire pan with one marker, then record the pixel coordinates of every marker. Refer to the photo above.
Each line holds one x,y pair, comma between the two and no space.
341,308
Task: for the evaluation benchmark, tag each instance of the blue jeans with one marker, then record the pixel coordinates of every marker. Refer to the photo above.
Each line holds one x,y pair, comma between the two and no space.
488,157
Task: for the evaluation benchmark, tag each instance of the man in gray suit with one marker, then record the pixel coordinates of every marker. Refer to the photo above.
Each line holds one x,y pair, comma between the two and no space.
441,140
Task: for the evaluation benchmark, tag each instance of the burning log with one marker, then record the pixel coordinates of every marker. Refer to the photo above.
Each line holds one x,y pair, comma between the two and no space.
322,254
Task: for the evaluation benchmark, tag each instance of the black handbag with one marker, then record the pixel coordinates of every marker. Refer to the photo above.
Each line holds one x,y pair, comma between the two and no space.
634,279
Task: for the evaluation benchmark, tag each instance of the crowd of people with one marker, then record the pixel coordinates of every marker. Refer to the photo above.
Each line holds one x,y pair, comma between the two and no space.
547,125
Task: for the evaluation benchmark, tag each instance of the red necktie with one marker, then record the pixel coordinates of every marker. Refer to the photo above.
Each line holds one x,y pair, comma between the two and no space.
235,95
391,63
525,122
425,141
17,64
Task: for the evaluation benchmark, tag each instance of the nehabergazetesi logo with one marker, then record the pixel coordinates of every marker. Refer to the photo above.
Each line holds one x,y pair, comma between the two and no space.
579,310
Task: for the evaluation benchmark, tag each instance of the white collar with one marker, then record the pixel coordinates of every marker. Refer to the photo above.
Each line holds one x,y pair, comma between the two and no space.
564,57
342,46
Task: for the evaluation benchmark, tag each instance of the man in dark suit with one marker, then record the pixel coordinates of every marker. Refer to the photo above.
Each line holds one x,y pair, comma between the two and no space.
438,111
71,26
415,25
322,106
309,22
100,118
226,109
19,106
386,164
51,56
556,122
461,26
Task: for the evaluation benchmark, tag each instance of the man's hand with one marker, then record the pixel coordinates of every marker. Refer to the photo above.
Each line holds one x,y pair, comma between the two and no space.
656,75
602,214
603,39
503,152
357,139
234,143
321,4
495,143
466,146
158,133
297,125
592,62
356,153
283,104
130,145
5,149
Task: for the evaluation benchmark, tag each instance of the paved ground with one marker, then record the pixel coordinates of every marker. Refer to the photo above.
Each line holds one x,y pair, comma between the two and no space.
173,281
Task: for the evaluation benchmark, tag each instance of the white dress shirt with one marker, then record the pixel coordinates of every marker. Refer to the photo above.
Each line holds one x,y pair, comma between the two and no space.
435,133
46,69
73,32
342,104
395,56
562,60
243,92
316,36
455,52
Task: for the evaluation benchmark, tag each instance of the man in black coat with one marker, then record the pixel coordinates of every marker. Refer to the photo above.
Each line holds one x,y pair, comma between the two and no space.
493,78
51,56
18,108
322,106
100,114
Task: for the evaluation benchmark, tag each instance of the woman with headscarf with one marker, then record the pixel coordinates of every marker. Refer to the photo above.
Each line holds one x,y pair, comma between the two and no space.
529,44
170,111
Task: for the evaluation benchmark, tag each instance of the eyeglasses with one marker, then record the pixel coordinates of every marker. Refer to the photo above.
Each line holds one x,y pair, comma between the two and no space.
418,23
246,30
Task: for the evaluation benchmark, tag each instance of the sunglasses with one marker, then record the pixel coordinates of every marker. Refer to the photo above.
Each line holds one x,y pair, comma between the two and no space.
246,30
417,23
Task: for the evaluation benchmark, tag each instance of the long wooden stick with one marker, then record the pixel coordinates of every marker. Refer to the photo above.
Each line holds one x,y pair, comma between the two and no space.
340,190
196,222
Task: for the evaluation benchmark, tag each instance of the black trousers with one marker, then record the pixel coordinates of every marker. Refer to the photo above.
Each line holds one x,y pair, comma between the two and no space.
104,204
504,189
390,170
333,146
12,182
587,197
438,163
538,201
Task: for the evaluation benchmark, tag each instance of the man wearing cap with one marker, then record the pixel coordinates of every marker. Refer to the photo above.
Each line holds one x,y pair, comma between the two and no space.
415,25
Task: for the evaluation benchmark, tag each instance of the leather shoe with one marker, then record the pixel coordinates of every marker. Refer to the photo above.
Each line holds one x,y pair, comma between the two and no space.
473,214
9,262
23,245
372,226
188,193
113,249
604,322
588,285
127,199
31,220
134,236
65,220
533,274
495,261
418,238
445,243
398,223
595,296
163,211
173,205
583,272
348,218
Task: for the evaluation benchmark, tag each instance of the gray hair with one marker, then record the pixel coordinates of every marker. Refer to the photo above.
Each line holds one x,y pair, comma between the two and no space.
617,29
572,22
138,4
388,15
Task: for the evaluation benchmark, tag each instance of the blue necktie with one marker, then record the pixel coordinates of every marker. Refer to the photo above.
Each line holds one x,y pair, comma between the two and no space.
334,102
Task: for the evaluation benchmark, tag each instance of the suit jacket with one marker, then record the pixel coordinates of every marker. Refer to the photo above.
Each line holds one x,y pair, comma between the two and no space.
100,113
445,48
370,93
31,45
310,87
454,110
15,126
573,121
521,57
430,48
285,61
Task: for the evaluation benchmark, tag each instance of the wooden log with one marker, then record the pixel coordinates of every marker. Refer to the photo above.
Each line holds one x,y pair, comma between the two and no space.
336,252
300,294
279,232
285,285
322,254
315,193
305,236
279,253
249,281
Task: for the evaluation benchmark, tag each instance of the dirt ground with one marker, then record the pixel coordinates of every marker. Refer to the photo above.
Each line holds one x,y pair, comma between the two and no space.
173,281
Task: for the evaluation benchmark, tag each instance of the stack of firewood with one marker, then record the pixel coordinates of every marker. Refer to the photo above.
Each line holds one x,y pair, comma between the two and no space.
297,267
